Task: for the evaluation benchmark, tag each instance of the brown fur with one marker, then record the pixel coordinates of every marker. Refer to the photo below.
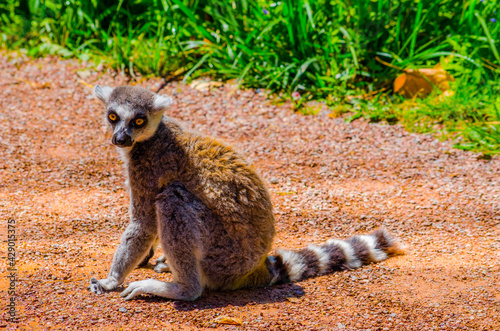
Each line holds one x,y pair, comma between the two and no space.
206,204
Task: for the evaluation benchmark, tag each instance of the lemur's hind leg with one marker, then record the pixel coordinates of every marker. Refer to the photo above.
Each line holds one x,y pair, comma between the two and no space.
180,215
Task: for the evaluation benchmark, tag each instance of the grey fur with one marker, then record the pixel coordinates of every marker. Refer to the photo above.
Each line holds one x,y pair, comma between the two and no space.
102,93
208,208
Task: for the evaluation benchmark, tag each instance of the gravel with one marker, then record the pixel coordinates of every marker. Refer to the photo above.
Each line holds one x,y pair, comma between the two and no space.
62,181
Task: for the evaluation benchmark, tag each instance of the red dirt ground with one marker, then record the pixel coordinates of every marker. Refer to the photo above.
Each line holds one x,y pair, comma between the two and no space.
62,181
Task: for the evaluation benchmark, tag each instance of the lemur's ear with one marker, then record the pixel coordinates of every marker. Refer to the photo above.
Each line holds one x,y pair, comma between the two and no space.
161,102
102,93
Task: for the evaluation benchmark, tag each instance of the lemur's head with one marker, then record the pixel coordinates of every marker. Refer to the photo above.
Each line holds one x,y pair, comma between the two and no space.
132,112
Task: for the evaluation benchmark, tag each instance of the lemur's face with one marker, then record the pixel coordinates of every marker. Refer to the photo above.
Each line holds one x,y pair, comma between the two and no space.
132,112
129,125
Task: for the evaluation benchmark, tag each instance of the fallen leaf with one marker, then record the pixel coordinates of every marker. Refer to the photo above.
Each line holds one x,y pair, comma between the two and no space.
227,320
204,86
421,82
86,84
36,85
83,74
409,85
484,157
293,300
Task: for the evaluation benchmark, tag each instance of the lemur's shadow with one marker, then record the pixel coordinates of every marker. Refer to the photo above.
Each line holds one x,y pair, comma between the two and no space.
213,299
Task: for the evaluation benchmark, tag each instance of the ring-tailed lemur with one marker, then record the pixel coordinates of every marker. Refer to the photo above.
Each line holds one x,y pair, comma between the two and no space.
209,208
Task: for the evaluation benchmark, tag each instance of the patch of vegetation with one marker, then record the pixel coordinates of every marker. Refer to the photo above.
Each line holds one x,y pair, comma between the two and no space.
321,49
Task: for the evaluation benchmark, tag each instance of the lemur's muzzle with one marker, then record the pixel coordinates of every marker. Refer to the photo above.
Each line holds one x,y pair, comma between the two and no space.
121,139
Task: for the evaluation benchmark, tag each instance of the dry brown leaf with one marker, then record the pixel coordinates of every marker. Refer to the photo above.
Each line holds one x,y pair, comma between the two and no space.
293,300
204,86
421,82
227,320
36,85
86,84
83,74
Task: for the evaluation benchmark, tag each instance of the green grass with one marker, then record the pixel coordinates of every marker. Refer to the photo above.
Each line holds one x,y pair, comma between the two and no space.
321,49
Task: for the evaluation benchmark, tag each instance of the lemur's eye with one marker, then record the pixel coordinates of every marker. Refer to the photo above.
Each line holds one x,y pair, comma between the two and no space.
139,122
112,117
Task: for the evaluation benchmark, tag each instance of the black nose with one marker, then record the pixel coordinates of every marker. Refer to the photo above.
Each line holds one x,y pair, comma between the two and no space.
121,139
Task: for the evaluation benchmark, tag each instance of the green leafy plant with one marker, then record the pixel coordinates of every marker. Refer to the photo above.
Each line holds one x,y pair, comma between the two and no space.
322,49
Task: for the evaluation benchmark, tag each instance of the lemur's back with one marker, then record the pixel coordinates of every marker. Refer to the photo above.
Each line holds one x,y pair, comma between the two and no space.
243,228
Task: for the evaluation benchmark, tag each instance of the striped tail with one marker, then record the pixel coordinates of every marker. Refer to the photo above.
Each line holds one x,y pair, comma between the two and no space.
334,255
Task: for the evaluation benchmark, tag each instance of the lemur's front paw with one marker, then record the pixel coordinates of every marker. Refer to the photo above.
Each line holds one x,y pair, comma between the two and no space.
99,286
95,286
